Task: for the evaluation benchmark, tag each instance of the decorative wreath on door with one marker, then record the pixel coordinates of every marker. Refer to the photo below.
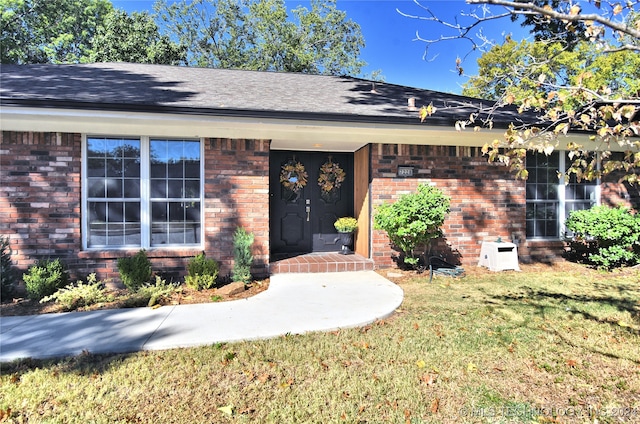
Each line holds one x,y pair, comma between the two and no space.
293,176
331,176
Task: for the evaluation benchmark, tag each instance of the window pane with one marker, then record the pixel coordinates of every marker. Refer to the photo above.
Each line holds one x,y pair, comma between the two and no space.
176,212
96,187
115,212
133,234
551,229
159,211
175,189
132,188
97,212
96,148
159,234
131,168
132,212
191,151
158,170
191,189
175,170
158,189
192,212
114,188
96,167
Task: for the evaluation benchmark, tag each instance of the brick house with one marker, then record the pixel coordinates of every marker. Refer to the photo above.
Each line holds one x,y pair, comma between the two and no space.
100,160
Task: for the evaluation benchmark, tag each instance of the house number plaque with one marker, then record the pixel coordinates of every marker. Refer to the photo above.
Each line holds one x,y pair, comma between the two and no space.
405,171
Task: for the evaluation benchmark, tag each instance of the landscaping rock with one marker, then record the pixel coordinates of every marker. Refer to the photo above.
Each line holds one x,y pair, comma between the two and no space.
394,275
231,289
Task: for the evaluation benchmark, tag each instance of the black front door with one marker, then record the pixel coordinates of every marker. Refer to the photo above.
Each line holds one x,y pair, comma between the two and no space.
308,192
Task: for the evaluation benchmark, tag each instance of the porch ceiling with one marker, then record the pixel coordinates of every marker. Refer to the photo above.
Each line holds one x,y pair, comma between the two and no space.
286,134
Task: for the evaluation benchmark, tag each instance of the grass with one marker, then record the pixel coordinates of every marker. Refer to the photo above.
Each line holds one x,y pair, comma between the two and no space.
543,345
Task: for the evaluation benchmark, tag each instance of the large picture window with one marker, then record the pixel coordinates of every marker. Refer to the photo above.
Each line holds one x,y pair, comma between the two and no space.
550,198
142,192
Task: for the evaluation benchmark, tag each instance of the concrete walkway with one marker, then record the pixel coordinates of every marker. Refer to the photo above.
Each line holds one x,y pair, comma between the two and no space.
293,303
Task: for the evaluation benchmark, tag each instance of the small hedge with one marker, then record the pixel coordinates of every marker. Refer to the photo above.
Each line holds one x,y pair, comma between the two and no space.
7,274
44,278
135,271
202,272
605,237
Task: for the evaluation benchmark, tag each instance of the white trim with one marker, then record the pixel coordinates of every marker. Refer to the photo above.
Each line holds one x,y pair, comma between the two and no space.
286,134
84,213
145,204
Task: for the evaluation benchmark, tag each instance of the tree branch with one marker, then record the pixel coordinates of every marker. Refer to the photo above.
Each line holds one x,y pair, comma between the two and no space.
532,8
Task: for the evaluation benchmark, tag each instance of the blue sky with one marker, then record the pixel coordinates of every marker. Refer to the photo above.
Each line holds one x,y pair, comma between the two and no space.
388,36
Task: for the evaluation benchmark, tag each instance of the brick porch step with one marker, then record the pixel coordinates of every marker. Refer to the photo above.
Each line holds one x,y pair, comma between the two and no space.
321,262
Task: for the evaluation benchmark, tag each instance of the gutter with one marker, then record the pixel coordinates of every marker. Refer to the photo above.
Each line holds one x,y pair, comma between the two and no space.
434,120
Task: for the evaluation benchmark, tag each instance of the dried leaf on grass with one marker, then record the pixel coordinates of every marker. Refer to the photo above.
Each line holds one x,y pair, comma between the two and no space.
435,406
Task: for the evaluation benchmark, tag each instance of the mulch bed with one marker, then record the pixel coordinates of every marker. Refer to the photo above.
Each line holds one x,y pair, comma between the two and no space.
186,295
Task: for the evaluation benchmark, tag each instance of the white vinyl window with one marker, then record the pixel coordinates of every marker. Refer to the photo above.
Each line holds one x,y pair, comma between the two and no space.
550,199
141,192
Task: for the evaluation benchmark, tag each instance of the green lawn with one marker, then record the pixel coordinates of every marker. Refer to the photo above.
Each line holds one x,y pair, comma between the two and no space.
489,347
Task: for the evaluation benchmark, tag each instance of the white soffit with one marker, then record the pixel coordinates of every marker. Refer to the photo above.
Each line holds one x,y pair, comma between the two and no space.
286,134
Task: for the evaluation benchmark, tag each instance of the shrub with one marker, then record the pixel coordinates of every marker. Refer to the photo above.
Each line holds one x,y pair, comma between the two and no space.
413,220
81,294
7,274
243,258
605,237
202,272
44,278
135,271
151,294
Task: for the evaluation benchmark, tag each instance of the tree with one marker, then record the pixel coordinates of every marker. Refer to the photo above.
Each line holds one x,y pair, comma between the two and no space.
515,69
592,89
72,31
545,28
133,38
44,31
260,35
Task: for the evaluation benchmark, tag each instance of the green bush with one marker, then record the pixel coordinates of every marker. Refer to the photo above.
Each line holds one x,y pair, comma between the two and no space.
7,274
44,278
152,294
242,256
135,271
202,272
413,220
81,294
605,237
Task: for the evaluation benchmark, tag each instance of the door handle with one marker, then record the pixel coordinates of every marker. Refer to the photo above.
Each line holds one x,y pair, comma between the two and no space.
308,209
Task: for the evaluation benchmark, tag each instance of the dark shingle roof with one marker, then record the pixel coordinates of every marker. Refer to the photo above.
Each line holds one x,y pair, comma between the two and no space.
126,86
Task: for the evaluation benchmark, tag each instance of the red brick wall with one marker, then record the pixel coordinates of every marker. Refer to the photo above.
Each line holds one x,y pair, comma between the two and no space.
237,195
40,196
486,202
40,204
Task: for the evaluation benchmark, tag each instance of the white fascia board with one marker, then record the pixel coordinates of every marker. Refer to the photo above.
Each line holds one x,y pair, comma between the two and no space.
284,133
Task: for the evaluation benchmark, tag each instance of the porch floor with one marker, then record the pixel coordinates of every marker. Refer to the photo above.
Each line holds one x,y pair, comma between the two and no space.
321,262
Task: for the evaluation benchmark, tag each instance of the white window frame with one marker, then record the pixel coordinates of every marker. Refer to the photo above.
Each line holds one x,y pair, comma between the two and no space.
145,195
562,201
